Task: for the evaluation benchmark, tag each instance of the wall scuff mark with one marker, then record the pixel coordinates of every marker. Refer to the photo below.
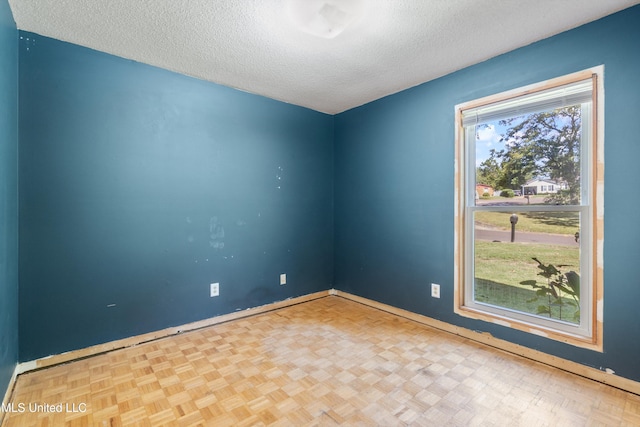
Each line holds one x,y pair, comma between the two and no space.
216,233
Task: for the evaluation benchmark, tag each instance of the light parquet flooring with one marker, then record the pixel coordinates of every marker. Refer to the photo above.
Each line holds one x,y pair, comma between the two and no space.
326,362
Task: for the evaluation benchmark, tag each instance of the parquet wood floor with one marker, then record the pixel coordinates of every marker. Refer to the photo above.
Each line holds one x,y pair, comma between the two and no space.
326,362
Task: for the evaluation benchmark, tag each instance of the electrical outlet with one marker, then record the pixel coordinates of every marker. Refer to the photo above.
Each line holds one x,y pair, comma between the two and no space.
435,290
283,279
215,289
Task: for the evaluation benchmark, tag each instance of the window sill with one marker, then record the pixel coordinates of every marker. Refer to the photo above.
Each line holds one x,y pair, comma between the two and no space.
562,336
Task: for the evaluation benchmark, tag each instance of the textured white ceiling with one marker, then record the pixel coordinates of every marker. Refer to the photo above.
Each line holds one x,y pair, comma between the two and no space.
253,45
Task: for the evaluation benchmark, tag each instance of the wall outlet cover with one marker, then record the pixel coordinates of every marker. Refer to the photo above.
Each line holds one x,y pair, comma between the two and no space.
214,289
435,290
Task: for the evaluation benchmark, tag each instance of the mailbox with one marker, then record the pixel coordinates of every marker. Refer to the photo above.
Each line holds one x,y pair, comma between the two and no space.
513,219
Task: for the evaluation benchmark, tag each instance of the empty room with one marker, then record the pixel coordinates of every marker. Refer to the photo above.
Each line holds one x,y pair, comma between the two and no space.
319,212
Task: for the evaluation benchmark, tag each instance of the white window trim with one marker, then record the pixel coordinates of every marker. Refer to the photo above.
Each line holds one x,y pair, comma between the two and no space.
595,209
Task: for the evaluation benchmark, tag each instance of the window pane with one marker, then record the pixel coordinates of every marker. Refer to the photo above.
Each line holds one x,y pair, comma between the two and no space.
536,156
506,275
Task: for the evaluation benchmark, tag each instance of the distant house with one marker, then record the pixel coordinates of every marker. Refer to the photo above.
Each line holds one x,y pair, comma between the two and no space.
541,186
482,189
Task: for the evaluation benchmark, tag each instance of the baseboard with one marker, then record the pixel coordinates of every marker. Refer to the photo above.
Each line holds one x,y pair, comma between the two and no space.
8,393
139,339
486,338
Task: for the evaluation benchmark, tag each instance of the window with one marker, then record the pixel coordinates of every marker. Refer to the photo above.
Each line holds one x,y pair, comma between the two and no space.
529,259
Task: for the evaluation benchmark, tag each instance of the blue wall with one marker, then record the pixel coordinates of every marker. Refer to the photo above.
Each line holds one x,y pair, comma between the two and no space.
139,187
395,185
8,195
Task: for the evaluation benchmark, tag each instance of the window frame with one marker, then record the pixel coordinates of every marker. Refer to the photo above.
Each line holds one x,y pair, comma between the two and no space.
589,335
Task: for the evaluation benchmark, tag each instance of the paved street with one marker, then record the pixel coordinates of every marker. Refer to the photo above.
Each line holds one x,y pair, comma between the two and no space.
522,237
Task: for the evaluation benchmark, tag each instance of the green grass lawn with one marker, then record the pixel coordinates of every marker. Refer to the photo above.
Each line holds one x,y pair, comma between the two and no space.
501,266
519,299
511,263
536,222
